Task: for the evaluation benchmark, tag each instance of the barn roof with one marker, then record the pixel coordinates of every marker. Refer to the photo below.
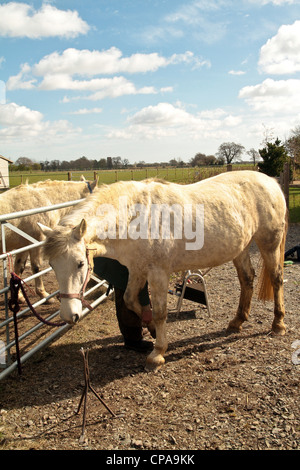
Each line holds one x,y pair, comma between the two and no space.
7,159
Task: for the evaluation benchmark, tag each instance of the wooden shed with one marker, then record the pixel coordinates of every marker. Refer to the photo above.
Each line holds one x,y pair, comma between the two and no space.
4,174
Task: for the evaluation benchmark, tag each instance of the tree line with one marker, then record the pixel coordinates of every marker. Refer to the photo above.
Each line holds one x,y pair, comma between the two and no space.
270,158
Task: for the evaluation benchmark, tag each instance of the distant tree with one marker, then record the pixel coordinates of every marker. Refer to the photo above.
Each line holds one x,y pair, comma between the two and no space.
220,161
210,160
116,162
274,157
198,159
230,151
81,163
109,163
180,163
268,133
201,159
174,162
65,165
102,163
254,155
54,165
292,145
36,166
25,161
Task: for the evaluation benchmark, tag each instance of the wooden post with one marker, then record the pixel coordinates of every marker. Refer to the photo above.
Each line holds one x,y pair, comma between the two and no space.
69,176
286,182
229,167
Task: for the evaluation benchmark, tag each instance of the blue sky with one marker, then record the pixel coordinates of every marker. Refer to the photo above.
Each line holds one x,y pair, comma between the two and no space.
146,80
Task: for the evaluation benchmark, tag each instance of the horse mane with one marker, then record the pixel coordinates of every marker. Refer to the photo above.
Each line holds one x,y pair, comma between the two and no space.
57,242
109,194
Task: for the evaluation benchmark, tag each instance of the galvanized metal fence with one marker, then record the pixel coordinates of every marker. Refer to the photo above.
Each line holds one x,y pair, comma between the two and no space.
8,339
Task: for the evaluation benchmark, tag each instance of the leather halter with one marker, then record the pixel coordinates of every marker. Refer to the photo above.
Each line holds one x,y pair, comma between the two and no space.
80,295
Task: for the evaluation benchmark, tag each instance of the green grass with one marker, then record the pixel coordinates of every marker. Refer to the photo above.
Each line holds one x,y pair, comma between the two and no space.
294,203
180,175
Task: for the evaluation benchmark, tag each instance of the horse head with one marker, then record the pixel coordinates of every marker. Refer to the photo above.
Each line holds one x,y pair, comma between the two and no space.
67,253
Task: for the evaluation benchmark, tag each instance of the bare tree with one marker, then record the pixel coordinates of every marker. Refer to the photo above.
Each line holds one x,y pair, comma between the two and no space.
254,154
230,151
292,144
268,133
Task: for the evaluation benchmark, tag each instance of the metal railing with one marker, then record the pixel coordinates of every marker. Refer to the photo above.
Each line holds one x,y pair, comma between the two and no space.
7,341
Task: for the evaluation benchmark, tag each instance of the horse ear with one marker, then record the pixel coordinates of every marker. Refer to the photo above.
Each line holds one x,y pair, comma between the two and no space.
45,230
79,230
94,184
82,178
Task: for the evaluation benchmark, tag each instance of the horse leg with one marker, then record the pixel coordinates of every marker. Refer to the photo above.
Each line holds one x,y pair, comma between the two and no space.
131,299
20,262
273,269
19,266
246,276
158,282
36,263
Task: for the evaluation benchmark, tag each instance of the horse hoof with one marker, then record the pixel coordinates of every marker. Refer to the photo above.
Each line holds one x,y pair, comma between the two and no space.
150,367
234,327
279,330
153,363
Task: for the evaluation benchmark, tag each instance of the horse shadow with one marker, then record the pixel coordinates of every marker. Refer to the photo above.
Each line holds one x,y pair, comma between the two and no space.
108,360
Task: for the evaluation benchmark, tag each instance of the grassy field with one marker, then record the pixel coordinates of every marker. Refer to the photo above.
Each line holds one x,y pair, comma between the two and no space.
294,203
179,175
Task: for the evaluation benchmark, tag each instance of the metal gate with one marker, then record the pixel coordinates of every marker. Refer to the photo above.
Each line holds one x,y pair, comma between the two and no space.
7,339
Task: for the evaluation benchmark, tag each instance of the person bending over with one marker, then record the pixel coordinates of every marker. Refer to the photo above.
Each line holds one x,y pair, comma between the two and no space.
130,324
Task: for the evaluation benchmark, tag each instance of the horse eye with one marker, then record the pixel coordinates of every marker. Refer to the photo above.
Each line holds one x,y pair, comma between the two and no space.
80,265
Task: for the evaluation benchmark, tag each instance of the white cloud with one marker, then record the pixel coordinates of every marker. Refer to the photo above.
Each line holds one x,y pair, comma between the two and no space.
108,62
20,81
21,20
275,2
57,71
87,111
280,55
273,96
199,17
167,120
85,62
236,72
101,87
24,124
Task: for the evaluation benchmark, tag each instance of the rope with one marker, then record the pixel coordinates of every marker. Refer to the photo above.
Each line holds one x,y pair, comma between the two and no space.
17,283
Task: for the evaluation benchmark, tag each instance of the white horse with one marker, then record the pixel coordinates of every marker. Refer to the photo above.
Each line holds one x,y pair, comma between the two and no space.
30,196
227,212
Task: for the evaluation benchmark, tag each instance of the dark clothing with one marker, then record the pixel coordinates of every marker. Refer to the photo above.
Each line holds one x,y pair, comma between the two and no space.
117,274
114,273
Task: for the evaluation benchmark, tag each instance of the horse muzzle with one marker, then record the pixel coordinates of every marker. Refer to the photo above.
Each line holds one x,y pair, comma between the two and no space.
70,310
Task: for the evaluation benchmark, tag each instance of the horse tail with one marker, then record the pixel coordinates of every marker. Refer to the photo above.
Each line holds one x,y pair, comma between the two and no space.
266,291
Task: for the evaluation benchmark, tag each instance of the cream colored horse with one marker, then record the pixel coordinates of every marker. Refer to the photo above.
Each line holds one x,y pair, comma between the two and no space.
238,207
30,196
